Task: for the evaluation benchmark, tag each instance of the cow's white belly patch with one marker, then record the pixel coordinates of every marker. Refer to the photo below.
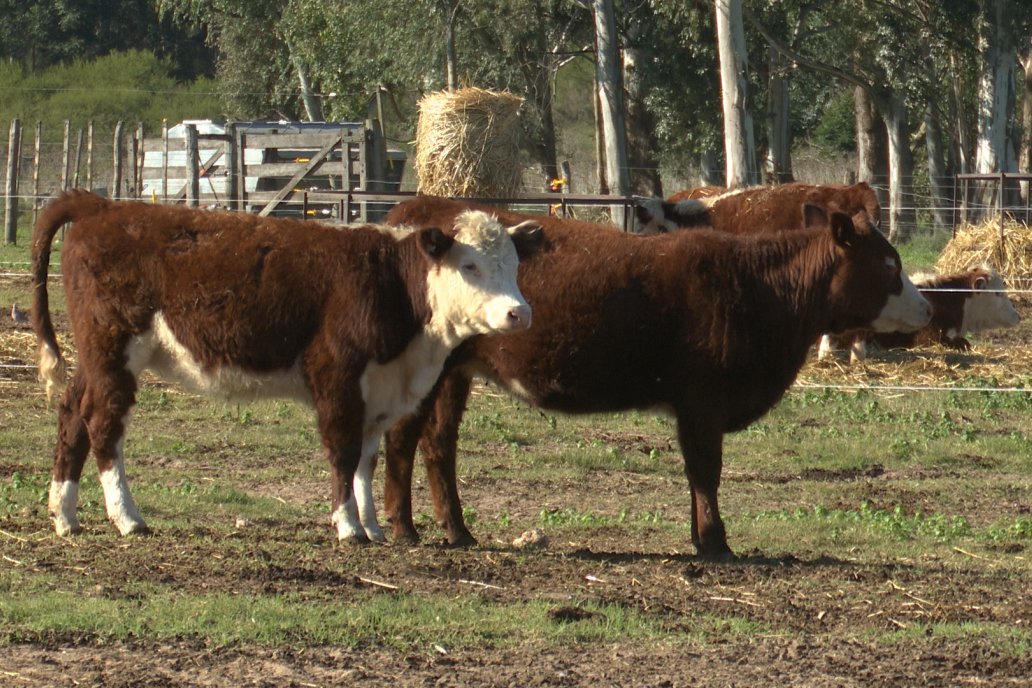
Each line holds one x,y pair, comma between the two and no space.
393,389
159,350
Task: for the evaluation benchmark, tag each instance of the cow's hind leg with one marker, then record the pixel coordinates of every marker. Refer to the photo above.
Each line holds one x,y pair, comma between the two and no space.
400,454
109,401
73,445
702,447
439,445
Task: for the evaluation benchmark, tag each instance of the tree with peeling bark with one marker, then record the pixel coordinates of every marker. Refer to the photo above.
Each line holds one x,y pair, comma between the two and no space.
739,146
996,94
611,130
1025,152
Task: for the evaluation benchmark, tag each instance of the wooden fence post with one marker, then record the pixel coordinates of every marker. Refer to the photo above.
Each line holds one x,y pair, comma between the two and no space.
193,171
138,154
66,142
11,188
116,175
232,167
89,155
35,172
78,160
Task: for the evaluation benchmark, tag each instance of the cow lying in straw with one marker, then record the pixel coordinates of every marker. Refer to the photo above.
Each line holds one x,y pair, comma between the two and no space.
971,301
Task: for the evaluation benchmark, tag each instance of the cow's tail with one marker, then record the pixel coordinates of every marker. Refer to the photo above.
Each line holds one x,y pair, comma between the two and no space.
67,207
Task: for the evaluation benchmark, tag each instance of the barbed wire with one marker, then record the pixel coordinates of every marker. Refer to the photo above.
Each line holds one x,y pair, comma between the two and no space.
905,388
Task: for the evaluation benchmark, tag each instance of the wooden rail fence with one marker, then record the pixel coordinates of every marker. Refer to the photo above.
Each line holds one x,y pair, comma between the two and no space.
262,167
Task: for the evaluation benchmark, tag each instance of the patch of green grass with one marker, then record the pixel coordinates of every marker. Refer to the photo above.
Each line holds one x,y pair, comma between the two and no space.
1011,641
921,251
894,523
399,620
18,255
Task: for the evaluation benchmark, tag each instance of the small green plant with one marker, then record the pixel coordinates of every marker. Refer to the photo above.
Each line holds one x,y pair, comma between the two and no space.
892,522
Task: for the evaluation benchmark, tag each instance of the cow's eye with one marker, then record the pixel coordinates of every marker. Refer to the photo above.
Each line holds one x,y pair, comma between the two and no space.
471,269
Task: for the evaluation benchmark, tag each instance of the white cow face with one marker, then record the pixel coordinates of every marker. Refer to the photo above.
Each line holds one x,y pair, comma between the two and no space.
906,311
989,307
473,289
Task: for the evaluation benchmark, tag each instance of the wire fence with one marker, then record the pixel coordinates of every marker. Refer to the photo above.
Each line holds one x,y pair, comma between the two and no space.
1008,350
931,212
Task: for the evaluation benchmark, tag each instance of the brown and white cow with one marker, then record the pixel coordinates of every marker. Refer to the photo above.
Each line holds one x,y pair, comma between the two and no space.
973,301
710,326
757,208
356,322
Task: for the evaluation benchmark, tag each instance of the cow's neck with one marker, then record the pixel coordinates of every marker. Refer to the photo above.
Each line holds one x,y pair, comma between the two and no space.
801,278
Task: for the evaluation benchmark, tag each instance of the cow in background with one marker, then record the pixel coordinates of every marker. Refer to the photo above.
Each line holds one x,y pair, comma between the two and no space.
972,301
355,322
757,208
710,326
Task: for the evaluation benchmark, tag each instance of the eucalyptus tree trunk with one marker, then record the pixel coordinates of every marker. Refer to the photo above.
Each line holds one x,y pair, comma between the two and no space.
779,135
607,82
451,67
901,168
942,197
1025,154
544,143
641,144
871,157
709,168
995,89
313,104
740,153
940,189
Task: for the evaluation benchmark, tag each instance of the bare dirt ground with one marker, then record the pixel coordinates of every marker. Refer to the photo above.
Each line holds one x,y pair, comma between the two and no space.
820,620
821,617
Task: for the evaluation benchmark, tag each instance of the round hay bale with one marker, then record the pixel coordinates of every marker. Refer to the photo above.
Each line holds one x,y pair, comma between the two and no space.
467,144
976,245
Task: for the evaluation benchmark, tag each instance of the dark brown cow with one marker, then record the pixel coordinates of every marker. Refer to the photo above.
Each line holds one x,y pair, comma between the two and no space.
357,322
971,301
710,326
758,208
755,209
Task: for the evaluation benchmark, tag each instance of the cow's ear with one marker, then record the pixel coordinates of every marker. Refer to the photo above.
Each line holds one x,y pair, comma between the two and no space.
814,216
527,237
434,242
843,229
980,283
648,209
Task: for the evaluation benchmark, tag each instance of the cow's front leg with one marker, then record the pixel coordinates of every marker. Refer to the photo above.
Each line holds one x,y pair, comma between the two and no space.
439,445
363,490
702,447
344,461
340,425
